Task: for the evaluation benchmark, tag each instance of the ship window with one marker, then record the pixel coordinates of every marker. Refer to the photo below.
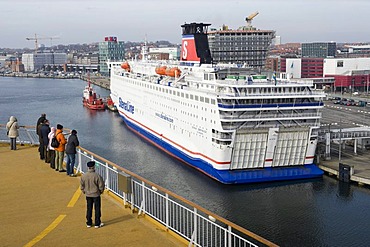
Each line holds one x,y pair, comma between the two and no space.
187,96
213,102
191,96
196,97
207,100
166,90
178,94
201,99
182,95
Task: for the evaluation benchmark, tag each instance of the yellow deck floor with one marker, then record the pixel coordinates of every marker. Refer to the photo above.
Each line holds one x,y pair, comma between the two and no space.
37,208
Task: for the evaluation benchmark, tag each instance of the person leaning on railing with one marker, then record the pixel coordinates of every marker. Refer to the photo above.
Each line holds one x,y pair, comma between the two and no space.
12,132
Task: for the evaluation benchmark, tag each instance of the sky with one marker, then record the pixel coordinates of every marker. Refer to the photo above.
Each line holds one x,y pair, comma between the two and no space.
88,21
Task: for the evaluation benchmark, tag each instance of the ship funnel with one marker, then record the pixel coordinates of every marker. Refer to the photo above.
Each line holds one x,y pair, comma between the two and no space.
195,48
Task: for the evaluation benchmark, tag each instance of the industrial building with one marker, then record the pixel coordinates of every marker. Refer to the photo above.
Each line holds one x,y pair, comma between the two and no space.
344,74
351,74
173,52
246,45
110,50
35,61
319,49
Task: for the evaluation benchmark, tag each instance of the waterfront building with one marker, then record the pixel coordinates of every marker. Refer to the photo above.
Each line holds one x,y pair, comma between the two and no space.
35,61
173,52
110,50
246,45
302,67
351,74
319,49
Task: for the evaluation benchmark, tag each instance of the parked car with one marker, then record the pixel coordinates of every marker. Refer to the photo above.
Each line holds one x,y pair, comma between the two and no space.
350,102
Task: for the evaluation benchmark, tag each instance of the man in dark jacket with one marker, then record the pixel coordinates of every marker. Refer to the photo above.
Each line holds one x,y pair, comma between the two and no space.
43,134
40,121
72,143
92,185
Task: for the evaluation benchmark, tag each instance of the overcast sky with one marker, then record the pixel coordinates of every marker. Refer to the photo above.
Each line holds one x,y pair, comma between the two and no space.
87,21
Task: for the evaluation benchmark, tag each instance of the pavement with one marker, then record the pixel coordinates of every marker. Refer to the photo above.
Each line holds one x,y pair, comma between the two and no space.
42,207
359,163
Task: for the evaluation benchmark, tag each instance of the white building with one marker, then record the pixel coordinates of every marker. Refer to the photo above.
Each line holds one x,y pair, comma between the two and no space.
345,66
293,68
36,61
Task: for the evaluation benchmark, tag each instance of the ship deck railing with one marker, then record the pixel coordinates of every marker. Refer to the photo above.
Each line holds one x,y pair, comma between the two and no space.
266,117
197,225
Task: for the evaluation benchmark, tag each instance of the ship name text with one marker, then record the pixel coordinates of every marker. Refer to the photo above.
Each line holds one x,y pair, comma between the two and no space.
126,106
165,117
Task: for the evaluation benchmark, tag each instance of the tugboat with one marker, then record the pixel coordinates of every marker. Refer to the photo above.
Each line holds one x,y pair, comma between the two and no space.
91,100
110,105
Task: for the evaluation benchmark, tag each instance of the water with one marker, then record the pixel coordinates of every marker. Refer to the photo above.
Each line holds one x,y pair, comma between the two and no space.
320,212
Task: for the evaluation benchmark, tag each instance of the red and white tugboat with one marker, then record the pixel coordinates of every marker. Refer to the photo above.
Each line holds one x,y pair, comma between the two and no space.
91,100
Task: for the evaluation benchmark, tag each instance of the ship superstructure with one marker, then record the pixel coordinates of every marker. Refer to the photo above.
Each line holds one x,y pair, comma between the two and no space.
231,124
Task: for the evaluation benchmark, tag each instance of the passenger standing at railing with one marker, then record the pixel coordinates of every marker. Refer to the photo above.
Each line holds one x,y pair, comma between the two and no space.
12,132
59,151
51,149
72,143
38,127
92,185
44,132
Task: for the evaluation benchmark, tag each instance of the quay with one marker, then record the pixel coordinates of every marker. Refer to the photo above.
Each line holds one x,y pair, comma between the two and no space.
359,165
101,81
42,207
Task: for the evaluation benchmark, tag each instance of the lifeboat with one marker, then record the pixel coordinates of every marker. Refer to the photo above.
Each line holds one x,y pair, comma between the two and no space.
173,72
126,66
161,70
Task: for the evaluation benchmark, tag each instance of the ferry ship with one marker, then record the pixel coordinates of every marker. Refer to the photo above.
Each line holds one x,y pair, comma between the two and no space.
225,121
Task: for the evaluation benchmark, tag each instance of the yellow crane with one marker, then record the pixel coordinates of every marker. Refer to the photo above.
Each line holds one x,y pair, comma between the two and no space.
36,38
250,18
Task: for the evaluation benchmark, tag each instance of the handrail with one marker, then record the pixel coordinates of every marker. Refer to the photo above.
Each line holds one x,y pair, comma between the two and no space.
198,225
148,185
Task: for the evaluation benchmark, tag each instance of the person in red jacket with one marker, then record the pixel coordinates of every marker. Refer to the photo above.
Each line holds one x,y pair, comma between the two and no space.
59,151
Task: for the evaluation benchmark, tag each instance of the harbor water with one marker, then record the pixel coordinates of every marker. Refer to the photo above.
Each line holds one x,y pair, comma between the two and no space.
320,212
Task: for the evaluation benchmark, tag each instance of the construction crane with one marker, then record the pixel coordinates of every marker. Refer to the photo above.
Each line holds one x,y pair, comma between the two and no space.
36,38
250,18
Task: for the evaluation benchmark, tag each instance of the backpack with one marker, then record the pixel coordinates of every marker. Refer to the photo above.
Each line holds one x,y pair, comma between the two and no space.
54,142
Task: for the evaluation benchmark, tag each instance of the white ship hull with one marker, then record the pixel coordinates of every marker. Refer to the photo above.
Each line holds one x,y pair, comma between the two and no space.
222,127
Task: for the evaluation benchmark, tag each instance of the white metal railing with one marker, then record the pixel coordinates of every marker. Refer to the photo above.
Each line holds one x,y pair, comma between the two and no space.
265,117
27,135
195,224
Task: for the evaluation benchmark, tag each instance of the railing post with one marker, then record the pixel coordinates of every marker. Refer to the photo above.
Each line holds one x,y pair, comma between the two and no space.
229,229
167,212
194,235
142,206
107,176
132,195
79,166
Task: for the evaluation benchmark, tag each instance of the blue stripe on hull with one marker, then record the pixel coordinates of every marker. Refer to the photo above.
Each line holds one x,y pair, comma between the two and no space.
232,176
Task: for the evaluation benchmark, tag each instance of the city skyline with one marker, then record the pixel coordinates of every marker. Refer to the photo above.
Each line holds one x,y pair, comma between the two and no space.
88,21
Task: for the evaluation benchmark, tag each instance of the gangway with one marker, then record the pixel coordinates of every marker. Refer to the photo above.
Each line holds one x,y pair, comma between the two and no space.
359,135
